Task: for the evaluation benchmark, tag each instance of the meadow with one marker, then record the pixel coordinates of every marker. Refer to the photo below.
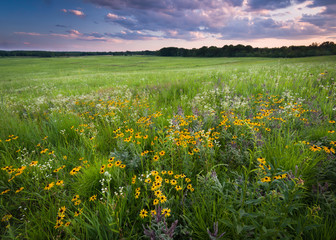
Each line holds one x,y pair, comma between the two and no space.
167,148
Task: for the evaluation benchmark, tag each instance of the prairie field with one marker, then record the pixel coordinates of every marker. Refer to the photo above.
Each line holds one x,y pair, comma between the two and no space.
106,147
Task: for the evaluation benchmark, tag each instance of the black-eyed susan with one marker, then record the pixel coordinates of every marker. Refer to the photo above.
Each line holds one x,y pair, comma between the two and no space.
78,212
158,193
162,153
75,198
163,198
117,163
59,182
148,180
33,163
173,182
153,213
166,212
156,158
266,179
122,165
19,190
93,198
143,213
49,186
156,201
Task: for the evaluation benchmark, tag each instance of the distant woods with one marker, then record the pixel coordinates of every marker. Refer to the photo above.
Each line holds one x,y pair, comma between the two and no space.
326,48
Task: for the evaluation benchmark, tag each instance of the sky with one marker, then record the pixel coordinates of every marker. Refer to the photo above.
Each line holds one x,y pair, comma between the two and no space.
132,25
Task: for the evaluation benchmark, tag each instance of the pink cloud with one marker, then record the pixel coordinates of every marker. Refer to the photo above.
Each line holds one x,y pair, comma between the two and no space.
114,17
77,13
74,12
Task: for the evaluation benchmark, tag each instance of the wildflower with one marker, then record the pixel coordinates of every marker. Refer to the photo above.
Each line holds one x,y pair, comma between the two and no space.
153,213
143,213
154,173
173,182
162,153
266,179
111,159
117,163
332,121
315,148
75,198
156,201
78,212
67,224
166,212
170,172
163,172
156,158
33,163
59,182
6,217
148,180
49,186
58,224
163,198
189,186
178,188
158,178
331,131
122,166
93,198
5,191
62,210
19,190
158,193
187,180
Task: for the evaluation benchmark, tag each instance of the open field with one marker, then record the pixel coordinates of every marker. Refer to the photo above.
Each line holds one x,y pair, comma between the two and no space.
105,147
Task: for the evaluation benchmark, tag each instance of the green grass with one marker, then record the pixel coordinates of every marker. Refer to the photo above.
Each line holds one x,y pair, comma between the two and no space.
253,136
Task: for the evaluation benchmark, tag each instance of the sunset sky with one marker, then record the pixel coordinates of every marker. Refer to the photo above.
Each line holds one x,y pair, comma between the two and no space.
120,25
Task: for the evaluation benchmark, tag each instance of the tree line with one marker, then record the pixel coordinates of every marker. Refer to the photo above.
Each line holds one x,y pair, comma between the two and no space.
325,48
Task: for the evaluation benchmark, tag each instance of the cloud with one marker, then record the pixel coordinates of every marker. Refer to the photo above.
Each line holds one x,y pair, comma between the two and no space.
74,12
112,16
60,26
28,33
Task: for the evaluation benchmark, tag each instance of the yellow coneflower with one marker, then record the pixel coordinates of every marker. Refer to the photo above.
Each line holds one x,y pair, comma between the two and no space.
162,153
173,182
166,212
163,198
49,186
19,190
148,180
59,182
33,163
156,201
93,198
143,213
